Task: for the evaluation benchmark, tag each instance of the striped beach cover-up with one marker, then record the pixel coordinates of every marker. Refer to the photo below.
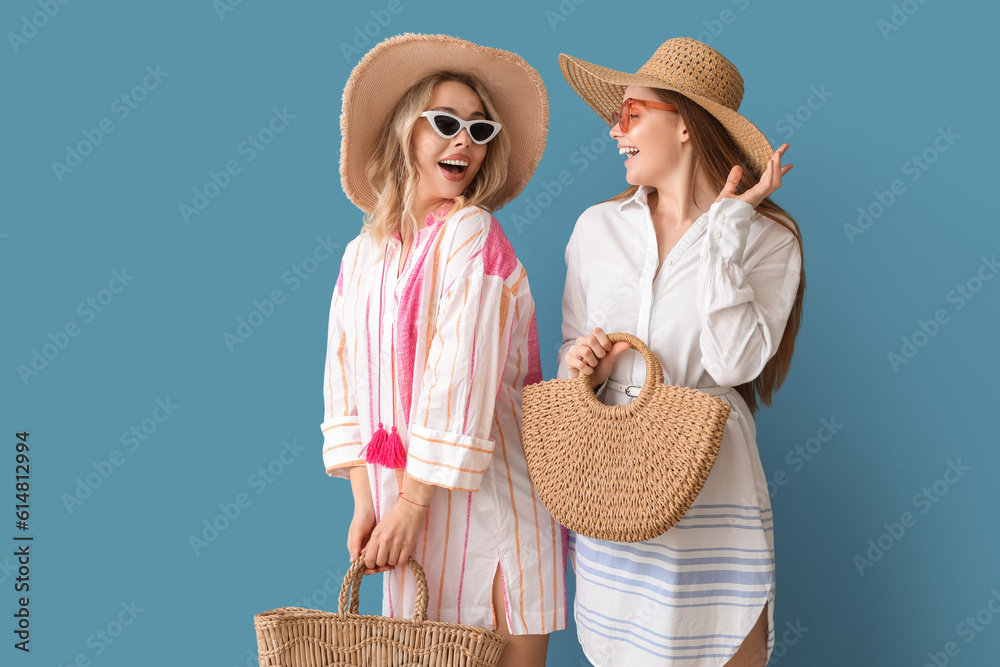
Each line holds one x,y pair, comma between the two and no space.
458,326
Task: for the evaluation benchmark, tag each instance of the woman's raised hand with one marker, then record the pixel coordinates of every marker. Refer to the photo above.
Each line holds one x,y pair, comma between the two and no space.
770,181
593,355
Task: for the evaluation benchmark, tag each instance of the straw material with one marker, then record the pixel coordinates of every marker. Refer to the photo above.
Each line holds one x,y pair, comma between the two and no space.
683,65
392,66
624,473
297,637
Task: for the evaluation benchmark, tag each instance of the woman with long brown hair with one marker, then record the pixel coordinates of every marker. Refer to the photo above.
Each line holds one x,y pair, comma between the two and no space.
696,260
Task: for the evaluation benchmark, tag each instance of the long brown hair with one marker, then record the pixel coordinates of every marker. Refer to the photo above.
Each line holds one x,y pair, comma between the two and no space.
715,153
391,171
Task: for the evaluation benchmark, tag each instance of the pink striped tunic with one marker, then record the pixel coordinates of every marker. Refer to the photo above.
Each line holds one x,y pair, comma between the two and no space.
458,327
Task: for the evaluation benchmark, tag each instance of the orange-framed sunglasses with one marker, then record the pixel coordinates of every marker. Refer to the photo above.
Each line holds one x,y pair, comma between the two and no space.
622,117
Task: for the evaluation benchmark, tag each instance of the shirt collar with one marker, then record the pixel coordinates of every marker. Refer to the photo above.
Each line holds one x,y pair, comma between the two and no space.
639,197
435,217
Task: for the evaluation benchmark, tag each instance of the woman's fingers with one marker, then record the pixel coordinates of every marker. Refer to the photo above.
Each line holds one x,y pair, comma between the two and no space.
580,357
602,340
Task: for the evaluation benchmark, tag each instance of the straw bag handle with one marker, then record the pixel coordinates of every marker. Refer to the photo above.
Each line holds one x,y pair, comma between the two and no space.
654,376
654,372
351,589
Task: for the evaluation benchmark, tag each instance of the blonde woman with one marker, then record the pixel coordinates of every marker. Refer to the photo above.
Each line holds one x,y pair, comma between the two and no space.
696,260
432,337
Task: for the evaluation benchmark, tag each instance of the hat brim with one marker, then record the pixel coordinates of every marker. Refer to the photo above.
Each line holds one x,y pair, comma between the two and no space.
603,89
392,66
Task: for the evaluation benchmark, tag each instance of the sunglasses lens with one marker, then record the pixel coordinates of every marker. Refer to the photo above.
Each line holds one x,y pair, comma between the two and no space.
447,125
623,115
482,131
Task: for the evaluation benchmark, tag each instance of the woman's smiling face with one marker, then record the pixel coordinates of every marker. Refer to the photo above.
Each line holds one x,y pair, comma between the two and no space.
437,180
655,133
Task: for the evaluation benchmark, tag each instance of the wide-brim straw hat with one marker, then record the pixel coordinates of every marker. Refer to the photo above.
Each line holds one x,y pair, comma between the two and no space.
392,66
683,65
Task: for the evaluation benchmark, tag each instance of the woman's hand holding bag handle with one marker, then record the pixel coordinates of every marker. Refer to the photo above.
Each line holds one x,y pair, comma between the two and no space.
297,637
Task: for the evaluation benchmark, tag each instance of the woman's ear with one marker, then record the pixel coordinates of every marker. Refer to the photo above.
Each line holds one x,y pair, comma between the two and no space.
682,132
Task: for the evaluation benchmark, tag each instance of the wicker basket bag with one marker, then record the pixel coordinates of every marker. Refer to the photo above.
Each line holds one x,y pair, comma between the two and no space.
624,473
296,637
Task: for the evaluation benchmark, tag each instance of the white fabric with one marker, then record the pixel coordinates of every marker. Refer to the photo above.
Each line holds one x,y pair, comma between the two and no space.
714,315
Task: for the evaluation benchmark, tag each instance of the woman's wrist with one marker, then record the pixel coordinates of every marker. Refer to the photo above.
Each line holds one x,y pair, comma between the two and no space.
361,490
411,504
417,493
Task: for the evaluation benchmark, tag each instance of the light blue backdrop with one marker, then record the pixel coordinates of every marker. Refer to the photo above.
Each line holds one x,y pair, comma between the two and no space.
128,305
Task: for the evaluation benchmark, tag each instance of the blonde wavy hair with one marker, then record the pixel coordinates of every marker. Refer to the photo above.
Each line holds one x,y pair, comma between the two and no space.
392,173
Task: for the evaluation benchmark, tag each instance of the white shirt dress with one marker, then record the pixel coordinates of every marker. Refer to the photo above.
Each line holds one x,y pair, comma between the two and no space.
713,315
442,353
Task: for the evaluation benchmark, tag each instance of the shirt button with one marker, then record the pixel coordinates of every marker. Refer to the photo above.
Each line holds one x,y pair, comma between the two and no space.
699,226
670,262
720,215
717,235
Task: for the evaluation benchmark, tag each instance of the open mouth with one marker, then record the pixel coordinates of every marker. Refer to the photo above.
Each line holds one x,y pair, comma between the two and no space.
454,170
629,151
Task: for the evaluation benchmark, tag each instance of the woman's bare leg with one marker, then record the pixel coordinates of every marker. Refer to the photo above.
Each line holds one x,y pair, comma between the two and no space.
521,650
753,651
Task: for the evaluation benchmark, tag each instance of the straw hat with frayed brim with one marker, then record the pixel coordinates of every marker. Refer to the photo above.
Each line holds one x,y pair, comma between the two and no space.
683,65
386,72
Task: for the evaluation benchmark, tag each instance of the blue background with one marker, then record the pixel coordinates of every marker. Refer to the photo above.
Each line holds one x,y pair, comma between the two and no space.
161,337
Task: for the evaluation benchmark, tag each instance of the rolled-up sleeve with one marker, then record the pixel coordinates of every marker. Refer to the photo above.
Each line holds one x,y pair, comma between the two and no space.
743,313
450,444
341,430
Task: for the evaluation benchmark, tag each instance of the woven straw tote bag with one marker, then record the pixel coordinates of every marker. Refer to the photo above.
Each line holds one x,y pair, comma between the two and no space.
623,473
297,637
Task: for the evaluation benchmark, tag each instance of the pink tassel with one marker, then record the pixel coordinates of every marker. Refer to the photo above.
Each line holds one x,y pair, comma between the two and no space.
386,450
396,452
374,450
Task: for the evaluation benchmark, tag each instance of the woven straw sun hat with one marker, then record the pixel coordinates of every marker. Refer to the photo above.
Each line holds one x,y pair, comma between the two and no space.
683,65
392,66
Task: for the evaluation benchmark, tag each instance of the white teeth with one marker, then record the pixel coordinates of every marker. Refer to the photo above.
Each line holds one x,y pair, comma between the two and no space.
459,163
628,150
